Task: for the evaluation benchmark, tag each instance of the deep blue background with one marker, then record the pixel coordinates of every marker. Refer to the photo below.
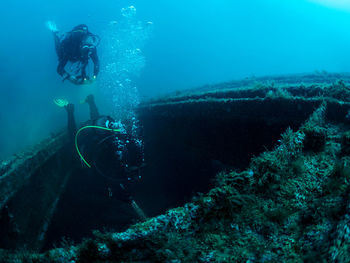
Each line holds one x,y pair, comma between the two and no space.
194,42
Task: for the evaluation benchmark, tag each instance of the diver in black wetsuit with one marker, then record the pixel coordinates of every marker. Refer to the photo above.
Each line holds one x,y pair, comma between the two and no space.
77,46
118,163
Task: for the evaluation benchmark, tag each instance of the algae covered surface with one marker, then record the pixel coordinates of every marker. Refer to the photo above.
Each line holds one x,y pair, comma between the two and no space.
290,204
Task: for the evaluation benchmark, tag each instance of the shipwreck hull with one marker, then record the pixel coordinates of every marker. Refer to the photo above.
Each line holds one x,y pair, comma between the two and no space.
189,137
30,186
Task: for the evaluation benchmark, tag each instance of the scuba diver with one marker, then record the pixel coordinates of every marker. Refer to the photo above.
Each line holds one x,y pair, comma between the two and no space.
107,149
77,46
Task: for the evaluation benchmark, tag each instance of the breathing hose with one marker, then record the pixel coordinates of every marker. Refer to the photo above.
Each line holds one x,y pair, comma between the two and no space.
89,127
134,205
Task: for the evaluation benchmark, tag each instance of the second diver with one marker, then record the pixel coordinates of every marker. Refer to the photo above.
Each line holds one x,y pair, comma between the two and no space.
77,46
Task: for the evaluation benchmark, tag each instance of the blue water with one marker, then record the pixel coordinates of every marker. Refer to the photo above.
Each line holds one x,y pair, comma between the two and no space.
191,43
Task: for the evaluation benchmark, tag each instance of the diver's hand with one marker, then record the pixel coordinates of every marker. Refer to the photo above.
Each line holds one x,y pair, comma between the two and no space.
65,76
80,80
75,80
86,80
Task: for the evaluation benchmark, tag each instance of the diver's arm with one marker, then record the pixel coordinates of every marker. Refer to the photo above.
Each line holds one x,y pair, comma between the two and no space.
60,68
58,47
96,61
83,69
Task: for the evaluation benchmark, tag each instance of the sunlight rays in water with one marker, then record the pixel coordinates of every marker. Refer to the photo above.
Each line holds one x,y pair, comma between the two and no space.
337,4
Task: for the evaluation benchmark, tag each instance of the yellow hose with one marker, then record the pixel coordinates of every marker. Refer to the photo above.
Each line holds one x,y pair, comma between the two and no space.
86,127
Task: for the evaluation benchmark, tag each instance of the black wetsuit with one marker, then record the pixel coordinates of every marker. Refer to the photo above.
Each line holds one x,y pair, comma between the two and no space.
71,47
100,149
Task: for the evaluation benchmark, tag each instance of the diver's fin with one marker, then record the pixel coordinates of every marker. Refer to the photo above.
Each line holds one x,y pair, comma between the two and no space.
51,25
61,102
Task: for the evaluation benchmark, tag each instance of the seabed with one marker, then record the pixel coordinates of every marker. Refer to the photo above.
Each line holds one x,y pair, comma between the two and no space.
258,170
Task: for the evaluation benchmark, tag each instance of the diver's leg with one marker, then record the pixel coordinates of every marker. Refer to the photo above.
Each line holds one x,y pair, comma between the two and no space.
129,199
71,122
93,108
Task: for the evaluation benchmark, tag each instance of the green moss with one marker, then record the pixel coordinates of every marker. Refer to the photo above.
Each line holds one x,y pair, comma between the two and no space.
315,139
345,143
279,92
339,179
338,90
88,251
283,208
